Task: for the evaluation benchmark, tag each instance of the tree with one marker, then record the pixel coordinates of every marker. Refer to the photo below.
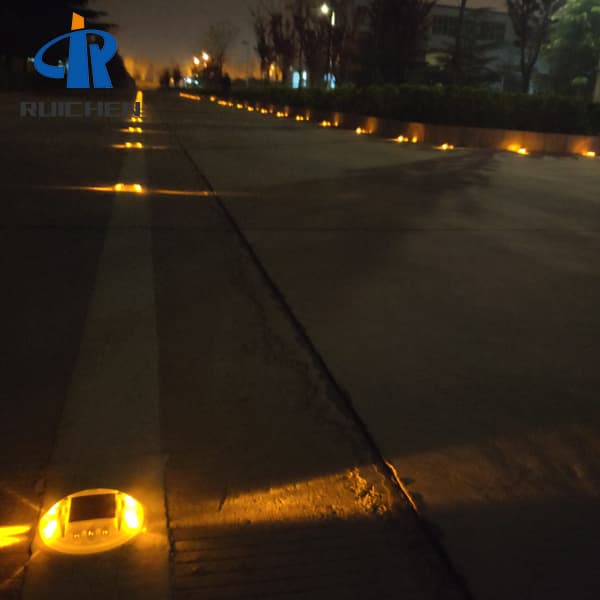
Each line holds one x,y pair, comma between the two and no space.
176,75
574,50
217,41
264,47
456,62
397,30
281,28
295,35
478,43
531,20
165,78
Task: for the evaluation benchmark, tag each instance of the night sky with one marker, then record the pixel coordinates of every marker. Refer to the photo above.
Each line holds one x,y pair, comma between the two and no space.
165,32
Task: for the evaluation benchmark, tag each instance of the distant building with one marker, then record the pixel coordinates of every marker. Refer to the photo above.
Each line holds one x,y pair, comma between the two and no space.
491,27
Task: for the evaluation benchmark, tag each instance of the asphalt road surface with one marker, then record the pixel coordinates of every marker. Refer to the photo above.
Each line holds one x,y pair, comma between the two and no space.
283,309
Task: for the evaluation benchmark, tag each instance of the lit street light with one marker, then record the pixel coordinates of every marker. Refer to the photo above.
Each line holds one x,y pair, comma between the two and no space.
325,9
196,60
205,56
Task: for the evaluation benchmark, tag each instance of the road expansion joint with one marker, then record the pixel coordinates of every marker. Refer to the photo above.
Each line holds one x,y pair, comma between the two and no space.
338,395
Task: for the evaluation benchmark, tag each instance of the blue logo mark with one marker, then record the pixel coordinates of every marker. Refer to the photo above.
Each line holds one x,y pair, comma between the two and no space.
77,72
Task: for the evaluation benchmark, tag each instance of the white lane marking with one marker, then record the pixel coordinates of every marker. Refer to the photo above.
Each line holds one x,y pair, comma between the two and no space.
109,434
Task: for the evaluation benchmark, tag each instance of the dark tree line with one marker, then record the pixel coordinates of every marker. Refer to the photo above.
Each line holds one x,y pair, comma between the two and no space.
295,35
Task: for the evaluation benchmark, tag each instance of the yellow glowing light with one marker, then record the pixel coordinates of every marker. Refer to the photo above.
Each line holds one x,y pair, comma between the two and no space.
401,139
133,146
263,111
49,529
128,187
131,519
121,187
250,109
14,530
518,149
361,131
189,96
92,521
134,130
326,124
299,118
5,542
414,139
590,154
230,104
212,98
239,106
222,103
445,146
11,535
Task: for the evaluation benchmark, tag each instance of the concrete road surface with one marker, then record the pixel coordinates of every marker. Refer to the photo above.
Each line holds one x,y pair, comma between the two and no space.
245,363
144,349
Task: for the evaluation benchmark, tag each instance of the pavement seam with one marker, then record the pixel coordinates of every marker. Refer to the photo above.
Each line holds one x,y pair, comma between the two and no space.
428,529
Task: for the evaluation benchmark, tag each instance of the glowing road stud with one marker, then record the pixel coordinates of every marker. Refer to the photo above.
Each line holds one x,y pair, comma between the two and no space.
518,149
91,521
135,188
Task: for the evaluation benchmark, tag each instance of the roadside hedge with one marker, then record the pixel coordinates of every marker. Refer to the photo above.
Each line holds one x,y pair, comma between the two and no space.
475,107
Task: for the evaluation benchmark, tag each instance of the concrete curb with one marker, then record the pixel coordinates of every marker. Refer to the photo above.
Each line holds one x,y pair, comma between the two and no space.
470,137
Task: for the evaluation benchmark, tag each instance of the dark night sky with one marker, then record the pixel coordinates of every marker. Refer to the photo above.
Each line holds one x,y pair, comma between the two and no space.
168,31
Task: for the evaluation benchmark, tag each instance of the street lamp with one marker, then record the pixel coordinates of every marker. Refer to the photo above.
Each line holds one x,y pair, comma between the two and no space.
205,56
325,9
196,60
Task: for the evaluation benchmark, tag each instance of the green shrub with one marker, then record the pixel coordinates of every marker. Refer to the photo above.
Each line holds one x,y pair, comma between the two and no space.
476,107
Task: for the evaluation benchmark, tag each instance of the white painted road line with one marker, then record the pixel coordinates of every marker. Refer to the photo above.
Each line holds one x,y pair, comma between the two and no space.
109,434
